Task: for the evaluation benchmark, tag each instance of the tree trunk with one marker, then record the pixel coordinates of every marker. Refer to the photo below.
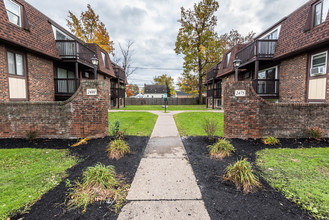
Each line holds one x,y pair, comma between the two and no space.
200,80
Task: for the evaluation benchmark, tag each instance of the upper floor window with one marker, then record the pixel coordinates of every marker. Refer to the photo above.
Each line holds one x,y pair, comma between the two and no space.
273,34
13,12
320,12
318,64
228,56
59,35
104,59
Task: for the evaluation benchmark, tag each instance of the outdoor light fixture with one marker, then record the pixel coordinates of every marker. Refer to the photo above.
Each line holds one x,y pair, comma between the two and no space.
236,63
94,60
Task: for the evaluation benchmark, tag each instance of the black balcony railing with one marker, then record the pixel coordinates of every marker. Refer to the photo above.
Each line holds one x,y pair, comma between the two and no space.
216,93
66,86
257,49
71,49
117,93
266,87
119,73
212,74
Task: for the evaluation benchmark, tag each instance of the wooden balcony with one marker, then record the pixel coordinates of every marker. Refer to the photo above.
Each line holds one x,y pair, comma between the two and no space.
259,49
216,93
266,87
118,93
73,50
120,73
65,88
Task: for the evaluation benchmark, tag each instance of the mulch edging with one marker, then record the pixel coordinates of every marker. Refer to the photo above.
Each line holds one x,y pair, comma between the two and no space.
51,205
222,200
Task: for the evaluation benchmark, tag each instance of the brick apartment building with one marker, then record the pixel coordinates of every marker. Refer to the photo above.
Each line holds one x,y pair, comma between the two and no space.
41,61
286,63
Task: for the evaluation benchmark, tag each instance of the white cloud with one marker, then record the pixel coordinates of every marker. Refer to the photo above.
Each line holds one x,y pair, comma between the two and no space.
153,25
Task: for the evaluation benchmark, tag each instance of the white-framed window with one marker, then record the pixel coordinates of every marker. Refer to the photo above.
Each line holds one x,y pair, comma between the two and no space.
13,12
228,57
319,64
60,35
320,12
15,64
104,58
273,34
270,73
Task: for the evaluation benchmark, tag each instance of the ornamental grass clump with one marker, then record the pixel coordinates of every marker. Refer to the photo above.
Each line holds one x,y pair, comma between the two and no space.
210,127
222,148
241,174
270,140
117,149
315,133
99,183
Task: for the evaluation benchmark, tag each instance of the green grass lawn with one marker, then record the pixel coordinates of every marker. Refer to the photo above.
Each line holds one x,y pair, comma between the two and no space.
190,123
302,175
170,107
134,123
26,174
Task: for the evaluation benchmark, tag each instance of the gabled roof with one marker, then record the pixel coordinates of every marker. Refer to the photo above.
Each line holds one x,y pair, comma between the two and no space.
155,89
37,34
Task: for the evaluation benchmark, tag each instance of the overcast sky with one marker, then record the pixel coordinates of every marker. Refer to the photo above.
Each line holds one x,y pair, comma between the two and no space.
153,26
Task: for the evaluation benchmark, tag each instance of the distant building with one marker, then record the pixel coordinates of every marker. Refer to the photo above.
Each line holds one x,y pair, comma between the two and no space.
180,94
154,91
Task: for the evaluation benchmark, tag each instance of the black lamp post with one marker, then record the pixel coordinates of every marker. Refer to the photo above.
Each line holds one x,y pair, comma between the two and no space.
236,63
94,60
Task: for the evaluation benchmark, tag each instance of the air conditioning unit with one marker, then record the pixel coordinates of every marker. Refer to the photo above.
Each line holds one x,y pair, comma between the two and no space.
320,70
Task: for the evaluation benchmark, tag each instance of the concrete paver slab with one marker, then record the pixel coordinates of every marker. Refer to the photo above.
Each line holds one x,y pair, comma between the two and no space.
165,147
165,126
143,210
158,179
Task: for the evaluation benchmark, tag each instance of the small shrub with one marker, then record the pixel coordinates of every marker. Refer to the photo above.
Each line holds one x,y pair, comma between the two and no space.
270,140
315,133
99,183
210,127
241,174
115,128
222,148
31,135
117,149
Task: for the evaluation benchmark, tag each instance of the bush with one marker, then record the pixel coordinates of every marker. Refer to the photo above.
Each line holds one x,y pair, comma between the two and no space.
241,174
117,149
222,148
315,133
115,128
99,183
31,135
210,127
270,140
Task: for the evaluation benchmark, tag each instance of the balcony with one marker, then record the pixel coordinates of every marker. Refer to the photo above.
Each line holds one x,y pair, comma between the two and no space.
118,93
266,87
260,49
71,49
119,73
65,88
212,74
216,93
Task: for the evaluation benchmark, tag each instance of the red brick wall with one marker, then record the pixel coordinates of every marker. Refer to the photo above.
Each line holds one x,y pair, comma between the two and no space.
4,95
79,116
253,117
40,79
293,79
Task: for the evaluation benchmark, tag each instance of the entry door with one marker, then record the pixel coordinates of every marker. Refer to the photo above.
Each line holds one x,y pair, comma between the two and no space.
318,78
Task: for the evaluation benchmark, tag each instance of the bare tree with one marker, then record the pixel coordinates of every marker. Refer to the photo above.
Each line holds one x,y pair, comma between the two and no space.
127,61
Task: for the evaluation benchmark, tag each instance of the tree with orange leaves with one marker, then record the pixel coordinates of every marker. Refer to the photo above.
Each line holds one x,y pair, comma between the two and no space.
129,90
90,29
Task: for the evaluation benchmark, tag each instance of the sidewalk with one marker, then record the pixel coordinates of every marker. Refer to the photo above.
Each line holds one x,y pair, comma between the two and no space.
164,186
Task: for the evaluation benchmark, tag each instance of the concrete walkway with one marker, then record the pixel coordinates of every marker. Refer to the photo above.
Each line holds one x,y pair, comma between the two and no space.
164,186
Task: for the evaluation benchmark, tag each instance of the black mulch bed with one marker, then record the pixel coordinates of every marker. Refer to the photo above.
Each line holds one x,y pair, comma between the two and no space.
222,199
51,205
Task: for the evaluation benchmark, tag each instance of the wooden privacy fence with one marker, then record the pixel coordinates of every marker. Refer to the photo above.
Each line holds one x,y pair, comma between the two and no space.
160,101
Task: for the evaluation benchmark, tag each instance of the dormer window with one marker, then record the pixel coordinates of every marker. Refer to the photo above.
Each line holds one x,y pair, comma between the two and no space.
13,12
320,12
104,59
228,56
273,34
